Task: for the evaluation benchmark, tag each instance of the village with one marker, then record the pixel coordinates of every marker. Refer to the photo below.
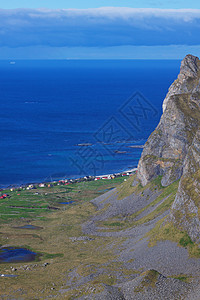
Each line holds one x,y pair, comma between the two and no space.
33,186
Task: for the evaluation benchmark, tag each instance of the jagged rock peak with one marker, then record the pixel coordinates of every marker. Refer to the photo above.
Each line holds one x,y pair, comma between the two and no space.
189,67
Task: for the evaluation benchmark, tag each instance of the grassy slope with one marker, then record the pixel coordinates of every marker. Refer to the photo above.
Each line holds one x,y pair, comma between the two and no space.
163,202
163,230
62,253
167,231
53,241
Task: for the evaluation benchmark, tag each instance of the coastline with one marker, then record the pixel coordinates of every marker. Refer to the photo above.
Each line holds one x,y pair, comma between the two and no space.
32,185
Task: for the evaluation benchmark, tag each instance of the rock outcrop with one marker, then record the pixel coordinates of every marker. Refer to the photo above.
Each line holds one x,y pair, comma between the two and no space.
173,149
185,211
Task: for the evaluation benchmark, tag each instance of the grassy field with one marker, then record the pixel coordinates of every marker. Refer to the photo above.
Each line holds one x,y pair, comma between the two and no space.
38,203
70,264
61,252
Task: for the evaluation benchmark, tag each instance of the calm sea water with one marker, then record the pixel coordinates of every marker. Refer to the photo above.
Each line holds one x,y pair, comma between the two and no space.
49,107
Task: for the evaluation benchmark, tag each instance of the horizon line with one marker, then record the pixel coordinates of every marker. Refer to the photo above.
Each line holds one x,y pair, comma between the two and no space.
67,59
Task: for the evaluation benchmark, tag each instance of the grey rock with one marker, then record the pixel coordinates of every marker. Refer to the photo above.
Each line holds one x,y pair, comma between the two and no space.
153,285
173,149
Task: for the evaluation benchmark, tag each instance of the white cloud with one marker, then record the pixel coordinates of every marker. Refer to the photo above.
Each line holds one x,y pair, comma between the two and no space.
106,26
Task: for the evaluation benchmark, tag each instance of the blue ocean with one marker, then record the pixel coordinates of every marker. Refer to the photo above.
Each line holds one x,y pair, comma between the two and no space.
71,118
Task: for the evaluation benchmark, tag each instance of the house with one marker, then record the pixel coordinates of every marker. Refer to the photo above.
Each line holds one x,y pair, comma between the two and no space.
125,174
41,185
106,177
61,181
3,196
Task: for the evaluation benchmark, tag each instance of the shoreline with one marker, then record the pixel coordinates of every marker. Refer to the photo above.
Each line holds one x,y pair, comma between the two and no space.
32,185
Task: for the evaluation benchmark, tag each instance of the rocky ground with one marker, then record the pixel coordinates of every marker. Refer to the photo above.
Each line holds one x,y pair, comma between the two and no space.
163,271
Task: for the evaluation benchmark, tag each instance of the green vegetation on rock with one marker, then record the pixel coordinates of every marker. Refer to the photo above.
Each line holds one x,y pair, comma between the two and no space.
165,230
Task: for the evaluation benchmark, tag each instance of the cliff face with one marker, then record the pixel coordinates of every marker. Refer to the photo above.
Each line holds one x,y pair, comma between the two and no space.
173,149
185,211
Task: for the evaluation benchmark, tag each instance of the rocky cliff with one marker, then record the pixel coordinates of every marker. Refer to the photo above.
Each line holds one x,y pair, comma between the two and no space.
173,149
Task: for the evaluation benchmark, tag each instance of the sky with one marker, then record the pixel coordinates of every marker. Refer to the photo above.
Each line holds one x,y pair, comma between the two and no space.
99,29
53,4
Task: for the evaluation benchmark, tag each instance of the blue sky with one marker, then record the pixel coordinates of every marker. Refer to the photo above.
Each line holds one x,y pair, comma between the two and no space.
139,29
99,3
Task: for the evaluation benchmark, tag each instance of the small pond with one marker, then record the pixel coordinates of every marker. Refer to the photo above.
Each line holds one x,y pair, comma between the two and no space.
29,226
7,275
106,190
12,254
69,202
